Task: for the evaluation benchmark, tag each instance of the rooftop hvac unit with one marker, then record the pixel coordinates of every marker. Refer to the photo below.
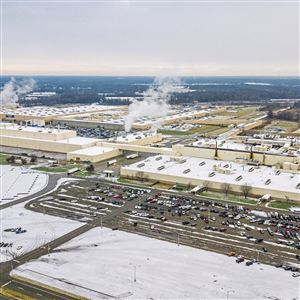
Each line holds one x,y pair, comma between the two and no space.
186,171
239,178
268,182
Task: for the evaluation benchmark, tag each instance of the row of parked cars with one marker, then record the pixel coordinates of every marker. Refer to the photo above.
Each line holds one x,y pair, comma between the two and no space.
114,194
256,226
16,230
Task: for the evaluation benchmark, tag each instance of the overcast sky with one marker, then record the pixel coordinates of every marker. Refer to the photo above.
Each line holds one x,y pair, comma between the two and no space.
150,38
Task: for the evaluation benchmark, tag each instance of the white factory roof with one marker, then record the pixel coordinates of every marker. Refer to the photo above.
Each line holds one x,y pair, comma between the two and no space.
172,115
284,181
78,140
93,151
12,126
239,146
222,144
45,111
130,137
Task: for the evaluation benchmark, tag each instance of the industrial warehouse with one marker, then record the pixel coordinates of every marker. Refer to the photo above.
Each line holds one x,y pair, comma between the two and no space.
268,168
212,174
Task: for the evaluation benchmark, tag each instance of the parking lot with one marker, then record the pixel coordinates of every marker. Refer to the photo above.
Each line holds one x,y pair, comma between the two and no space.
84,200
250,234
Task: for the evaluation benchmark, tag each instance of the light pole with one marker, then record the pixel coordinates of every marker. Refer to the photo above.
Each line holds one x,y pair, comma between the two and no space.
48,250
134,274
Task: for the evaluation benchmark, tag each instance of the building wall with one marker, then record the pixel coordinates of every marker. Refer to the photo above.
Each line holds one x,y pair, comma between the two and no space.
137,148
155,138
43,135
87,124
173,179
43,145
93,158
193,151
233,155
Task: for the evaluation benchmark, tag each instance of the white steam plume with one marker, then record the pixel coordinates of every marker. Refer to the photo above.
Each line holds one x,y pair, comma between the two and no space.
154,103
13,89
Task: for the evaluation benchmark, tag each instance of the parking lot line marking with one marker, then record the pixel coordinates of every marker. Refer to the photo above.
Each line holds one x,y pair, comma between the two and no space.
5,284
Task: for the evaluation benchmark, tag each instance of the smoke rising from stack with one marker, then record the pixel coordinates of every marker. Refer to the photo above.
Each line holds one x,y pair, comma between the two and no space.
154,103
12,90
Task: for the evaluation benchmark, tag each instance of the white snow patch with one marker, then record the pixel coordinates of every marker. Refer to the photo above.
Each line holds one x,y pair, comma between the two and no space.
103,261
40,229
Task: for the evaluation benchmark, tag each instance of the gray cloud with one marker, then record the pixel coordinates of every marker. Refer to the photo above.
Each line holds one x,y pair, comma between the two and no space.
202,38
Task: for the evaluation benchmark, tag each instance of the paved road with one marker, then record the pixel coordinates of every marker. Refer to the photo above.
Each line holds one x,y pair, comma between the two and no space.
41,293
53,178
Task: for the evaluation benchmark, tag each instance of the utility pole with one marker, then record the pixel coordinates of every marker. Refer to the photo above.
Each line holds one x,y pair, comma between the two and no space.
101,221
134,274
178,242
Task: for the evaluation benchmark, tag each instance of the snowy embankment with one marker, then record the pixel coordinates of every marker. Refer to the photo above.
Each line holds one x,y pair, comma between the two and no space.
103,263
19,182
40,229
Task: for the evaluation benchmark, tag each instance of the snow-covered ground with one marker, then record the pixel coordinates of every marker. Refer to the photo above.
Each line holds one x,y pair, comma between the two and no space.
40,229
105,262
18,182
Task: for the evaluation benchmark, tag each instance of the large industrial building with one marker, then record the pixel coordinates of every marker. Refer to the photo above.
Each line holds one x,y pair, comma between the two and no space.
196,171
66,141
269,166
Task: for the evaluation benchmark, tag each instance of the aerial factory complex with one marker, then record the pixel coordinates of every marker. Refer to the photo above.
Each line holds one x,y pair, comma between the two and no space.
97,200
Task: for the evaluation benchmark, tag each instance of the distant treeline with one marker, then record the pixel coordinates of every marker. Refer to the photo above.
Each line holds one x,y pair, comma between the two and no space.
86,90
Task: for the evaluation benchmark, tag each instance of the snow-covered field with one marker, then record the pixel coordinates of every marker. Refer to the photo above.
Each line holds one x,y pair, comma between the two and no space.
105,262
40,229
18,182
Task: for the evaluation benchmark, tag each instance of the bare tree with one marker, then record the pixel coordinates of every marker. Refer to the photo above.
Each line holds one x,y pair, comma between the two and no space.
245,189
33,158
90,168
225,187
11,159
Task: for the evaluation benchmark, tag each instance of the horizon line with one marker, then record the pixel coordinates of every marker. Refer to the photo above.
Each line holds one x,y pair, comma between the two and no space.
146,75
